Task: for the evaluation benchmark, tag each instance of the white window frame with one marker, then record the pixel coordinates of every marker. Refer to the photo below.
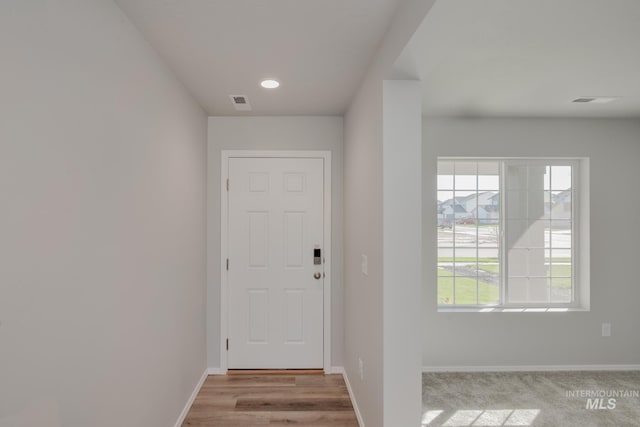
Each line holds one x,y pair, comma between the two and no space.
580,246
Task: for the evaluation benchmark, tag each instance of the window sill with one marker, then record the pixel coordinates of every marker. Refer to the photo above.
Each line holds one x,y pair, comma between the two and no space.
511,309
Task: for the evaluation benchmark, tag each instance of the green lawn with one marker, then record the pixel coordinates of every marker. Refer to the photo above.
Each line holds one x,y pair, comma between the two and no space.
561,274
560,270
465,291
465,287
489,268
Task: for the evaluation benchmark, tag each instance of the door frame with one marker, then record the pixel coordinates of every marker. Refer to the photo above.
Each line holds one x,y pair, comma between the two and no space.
224,243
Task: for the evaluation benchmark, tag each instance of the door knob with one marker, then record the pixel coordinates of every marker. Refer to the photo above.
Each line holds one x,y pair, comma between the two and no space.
317,276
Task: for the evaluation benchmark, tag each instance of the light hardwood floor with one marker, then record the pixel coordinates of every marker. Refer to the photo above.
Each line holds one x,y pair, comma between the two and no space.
274,400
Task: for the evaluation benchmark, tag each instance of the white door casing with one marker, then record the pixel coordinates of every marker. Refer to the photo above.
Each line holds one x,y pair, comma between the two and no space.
275,298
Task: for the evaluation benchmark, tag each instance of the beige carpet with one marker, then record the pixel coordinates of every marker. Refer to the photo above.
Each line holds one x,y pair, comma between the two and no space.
554,399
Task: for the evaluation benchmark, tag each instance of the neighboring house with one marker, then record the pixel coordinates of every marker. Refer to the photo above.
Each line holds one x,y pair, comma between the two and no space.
557,205
495,200
482,199
484,207
486,214
560,207
451,210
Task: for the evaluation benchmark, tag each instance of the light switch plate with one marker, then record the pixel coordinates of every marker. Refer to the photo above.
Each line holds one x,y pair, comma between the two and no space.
365,265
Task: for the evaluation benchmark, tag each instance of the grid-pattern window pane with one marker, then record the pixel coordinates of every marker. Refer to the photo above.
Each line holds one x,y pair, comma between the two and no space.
505,232
538,230
468,229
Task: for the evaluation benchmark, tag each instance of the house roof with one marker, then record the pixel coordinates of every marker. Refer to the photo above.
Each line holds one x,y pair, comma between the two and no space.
470,197
457,208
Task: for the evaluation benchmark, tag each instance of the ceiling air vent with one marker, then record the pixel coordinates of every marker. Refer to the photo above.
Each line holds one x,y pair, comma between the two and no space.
240,102
595,99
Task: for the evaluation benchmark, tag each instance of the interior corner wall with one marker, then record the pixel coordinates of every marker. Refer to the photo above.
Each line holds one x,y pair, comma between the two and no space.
363,236
545,339
102,254
274,133
382,223
364,330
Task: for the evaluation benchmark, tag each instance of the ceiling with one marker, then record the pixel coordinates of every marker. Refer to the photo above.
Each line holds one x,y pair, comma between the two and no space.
318,49
524,58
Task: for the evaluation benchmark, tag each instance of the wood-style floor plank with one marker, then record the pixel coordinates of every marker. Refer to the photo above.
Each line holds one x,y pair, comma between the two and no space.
314,418
320,381
294,404
227,418
251,380
276,393
272,400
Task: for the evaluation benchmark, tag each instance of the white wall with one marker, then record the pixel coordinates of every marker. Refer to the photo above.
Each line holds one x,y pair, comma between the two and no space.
511,339
402,240
366,312
274,133
382,222
102,222
363,236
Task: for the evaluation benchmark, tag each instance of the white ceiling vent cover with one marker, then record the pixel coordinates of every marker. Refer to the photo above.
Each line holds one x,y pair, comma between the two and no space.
240,102
595,99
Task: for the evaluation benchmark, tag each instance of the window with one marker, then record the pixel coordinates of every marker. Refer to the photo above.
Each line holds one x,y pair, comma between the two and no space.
507,233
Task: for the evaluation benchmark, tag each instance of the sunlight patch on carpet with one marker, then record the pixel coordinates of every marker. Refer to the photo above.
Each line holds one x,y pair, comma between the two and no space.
483,418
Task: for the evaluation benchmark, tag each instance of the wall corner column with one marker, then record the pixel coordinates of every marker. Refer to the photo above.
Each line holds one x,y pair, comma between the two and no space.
402,249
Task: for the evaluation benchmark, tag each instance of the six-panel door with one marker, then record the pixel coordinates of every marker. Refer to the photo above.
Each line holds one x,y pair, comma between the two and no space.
275,289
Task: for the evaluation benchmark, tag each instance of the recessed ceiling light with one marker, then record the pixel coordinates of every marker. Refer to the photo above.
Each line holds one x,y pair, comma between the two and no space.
269,84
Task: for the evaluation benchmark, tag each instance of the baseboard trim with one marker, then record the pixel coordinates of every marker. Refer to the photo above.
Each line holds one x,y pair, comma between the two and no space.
354,402
530,368
237,372
218,371
192,398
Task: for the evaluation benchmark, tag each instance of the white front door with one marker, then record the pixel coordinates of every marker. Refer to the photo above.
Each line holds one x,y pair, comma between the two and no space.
275,227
